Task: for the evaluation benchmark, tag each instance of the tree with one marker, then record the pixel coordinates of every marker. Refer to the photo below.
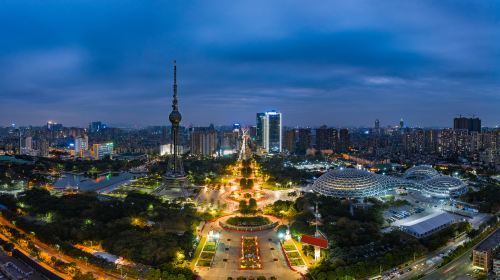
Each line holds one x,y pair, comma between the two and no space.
252,205
86,276
153,274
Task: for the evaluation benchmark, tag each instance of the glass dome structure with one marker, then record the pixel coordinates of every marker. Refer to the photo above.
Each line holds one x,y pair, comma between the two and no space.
421,172
352,183
444,187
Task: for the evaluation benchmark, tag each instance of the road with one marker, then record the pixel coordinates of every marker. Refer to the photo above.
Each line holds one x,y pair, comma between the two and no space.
456,269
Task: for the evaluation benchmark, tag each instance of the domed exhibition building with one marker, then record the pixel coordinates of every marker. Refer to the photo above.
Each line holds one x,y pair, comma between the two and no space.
355,183
421,172
444,186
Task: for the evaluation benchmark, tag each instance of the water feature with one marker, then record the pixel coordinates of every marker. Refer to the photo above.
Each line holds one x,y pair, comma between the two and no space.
101,183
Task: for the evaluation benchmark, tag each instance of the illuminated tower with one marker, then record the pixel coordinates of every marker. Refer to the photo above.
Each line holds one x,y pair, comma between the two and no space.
175,167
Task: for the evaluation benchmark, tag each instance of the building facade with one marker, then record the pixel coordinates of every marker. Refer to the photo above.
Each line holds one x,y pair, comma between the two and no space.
269,132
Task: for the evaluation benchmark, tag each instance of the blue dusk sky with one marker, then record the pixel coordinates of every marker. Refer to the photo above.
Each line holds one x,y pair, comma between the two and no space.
340,63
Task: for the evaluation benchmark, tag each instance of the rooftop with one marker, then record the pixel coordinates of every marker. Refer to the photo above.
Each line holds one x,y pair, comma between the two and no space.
490,243
428,223
315,241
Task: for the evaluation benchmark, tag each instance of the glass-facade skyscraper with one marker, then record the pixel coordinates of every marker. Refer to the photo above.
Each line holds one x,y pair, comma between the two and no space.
269,131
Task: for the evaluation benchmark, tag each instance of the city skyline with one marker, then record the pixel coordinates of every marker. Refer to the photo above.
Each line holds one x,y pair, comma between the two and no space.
340,64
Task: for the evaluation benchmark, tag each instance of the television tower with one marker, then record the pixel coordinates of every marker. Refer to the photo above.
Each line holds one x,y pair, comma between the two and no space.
175,167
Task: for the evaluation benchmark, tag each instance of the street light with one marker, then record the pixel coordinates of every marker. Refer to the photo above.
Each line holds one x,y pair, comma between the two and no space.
281,236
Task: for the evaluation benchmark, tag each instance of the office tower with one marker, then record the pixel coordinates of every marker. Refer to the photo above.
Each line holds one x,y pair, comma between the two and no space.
469,124
252,132
326,138
272,132
377,124
100,151
203,141
269,131
259,129
344,140
401,123
81,145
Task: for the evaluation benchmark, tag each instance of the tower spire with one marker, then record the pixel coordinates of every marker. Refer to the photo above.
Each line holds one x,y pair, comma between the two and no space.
174,101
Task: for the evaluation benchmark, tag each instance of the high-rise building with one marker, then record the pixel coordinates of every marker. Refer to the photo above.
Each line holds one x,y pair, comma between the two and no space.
269,131
446,143
462,141
401,123
100,151
53,126
203,141
414,141
81,145
96,126
377,124
229,141
289,141
344,140
304,138
44,148
431,140
28,143
326,138
469,124
259,129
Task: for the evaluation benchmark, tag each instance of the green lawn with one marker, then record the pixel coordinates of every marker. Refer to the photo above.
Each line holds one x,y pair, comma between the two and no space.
296,262
205,263
210,246
207,255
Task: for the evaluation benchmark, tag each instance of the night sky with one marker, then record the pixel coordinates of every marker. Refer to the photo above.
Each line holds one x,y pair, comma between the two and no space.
342,64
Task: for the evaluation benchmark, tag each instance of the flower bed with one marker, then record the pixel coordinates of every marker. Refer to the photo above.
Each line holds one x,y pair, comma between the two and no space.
250,255
248,221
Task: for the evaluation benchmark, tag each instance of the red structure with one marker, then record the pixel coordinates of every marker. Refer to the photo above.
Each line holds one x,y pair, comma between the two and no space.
314,241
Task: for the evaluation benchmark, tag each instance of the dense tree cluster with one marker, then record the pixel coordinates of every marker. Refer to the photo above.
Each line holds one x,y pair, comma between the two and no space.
357,245
141,228
281,209
248,208
202,171
246,184
278,173
488,198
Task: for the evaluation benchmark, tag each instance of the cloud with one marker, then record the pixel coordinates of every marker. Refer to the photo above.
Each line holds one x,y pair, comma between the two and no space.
322,63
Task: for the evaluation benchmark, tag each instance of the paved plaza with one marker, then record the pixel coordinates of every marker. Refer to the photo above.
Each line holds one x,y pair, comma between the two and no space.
226,261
